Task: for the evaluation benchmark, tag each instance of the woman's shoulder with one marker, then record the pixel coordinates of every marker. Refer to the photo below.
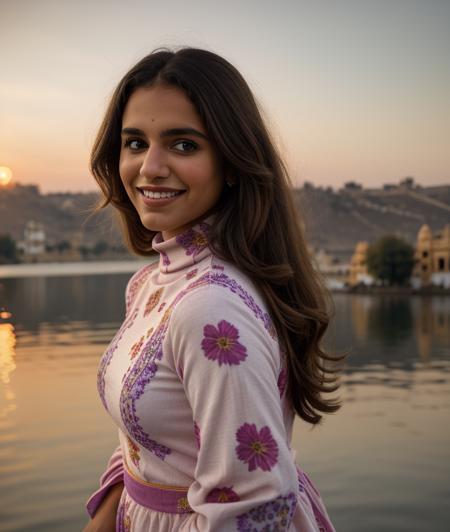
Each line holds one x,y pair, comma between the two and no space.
222,287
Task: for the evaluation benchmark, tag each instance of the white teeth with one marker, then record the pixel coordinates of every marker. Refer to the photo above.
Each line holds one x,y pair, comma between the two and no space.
159,195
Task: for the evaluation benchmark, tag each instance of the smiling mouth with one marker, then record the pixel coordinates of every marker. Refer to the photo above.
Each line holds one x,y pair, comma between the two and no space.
160,195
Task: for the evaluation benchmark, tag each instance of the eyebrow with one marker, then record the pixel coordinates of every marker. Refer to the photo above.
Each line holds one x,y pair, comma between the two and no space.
174,132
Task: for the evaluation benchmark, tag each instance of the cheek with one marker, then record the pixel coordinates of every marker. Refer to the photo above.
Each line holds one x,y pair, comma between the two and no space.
203,177
126,171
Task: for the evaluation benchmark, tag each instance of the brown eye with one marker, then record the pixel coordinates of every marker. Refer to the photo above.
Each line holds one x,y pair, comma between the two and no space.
134,144
185,146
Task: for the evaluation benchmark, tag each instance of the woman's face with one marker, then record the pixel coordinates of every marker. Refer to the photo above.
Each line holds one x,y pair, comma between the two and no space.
168,166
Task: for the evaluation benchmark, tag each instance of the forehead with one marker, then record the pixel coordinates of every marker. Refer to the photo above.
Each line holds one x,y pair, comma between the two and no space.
160,105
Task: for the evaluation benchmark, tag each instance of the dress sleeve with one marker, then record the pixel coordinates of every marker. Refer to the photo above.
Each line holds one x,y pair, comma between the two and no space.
112,475
245,476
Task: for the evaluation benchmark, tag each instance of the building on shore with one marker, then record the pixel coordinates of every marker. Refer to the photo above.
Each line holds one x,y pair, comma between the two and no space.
358,273
33,244
432,258
334,271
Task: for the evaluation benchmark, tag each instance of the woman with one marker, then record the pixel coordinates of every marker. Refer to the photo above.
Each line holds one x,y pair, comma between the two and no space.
221,341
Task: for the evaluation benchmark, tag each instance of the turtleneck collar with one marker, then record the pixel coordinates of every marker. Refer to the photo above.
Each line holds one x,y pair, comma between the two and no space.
185,249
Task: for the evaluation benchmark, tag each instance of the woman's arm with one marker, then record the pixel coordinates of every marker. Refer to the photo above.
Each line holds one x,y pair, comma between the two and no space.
245,478
104,519
112,476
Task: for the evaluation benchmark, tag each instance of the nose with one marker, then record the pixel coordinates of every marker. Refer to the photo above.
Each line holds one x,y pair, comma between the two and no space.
155,163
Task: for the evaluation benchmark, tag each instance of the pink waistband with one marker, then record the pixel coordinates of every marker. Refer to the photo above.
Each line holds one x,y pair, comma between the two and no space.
169,499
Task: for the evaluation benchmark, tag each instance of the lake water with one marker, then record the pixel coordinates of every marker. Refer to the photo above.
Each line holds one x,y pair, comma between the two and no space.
382,463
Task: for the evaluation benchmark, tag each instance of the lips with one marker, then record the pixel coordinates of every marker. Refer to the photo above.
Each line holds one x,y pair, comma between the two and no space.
160,189
159,198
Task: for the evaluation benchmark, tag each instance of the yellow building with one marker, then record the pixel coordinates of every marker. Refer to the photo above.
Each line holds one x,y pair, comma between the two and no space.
358,265
431,260
432,257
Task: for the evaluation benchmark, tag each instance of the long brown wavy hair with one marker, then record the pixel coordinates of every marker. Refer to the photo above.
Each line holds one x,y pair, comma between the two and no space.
257,225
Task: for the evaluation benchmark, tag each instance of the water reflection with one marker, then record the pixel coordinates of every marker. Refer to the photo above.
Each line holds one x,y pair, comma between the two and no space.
390,320
92,299
7,365
392,331
387,447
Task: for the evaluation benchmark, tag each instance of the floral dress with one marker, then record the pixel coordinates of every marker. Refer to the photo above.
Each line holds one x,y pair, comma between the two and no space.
196,383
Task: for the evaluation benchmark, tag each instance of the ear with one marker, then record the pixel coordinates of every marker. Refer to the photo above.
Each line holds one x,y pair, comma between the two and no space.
230,180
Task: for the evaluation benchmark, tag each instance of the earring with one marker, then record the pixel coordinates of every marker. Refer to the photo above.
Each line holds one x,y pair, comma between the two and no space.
230,183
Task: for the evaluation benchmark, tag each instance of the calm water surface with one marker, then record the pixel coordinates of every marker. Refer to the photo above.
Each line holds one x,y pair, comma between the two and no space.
382,463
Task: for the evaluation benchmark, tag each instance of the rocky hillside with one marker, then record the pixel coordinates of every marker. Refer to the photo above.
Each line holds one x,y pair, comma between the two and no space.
334,219
63,215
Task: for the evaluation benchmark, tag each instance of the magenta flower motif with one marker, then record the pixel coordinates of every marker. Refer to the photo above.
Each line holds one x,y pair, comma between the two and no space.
191,274
282,381
222,495
256,448
165,257
197,434
192,241
221,343
273,515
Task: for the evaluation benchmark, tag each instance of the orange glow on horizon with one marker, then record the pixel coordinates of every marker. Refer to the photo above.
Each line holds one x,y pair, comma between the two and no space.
5,175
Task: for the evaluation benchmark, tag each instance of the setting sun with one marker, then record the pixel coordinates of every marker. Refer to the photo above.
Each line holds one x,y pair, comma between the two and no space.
5,175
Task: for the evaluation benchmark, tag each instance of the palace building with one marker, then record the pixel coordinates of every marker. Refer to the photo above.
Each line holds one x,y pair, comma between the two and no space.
431,260
432,257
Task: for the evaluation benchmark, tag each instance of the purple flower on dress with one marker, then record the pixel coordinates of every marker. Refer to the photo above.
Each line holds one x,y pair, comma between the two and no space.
282,381
165,258
275,515
256,448
221,343
222,495
192,241
197,434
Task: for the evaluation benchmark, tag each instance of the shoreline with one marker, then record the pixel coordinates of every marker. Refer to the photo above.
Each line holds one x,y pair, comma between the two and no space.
64,269
394,290
82,268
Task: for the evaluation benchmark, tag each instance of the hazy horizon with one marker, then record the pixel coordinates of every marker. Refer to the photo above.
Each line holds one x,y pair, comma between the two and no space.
298,185
352,91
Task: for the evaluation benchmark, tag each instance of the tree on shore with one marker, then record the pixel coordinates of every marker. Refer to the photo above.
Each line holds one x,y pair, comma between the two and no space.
8,250
391,260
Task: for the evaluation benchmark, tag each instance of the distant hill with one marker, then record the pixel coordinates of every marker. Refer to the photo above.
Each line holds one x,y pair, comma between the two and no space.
64,215
334,219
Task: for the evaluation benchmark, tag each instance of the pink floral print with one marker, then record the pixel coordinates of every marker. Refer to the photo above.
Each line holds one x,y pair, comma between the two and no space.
282,381
221,344
194,241
153,300
133,451
136,347
197,434
274,515
222,495
191,274
256,448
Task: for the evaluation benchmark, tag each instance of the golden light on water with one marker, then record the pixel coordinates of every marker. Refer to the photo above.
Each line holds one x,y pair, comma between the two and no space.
5,175
7,351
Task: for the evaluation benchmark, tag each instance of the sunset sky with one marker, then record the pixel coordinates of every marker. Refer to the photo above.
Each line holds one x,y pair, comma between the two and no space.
353,90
